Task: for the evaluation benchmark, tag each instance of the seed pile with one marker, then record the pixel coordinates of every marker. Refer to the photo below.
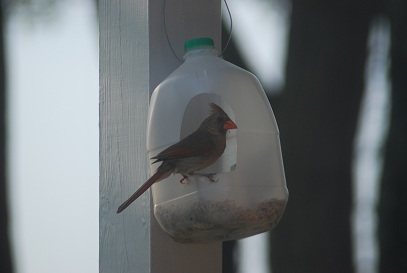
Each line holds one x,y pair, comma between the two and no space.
205,221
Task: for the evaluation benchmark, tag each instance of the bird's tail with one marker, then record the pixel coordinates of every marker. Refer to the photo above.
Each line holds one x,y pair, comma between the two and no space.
161,173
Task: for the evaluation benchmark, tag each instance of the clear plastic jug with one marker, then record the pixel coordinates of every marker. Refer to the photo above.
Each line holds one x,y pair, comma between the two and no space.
248,194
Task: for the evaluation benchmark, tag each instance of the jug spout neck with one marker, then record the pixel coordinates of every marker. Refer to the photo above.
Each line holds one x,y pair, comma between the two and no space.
199,52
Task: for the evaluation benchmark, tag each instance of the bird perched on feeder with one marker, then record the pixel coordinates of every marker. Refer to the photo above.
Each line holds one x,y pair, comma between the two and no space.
195,152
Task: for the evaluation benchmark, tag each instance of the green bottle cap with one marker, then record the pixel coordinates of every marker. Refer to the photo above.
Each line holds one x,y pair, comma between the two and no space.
198,42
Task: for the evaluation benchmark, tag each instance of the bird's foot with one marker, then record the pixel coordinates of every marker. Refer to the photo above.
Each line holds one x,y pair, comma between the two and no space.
210,176
184,179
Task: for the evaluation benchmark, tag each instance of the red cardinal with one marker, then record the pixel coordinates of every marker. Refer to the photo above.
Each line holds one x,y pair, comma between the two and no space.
193,153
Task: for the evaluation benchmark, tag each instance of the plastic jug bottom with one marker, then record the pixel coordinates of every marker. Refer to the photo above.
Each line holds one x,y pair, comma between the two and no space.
204,221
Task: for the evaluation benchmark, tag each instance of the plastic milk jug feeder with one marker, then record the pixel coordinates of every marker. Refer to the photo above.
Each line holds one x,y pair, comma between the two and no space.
247,194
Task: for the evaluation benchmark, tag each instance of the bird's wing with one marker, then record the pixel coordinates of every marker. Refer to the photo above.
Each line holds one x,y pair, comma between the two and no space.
196,144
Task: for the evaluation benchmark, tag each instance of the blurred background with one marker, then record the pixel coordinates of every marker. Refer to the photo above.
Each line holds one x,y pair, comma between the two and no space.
335,74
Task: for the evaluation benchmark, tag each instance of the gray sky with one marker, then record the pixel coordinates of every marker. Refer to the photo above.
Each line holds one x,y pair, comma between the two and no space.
53,117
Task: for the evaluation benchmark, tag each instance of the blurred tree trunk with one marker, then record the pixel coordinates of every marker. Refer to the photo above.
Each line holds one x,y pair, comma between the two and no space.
5,253
317,116
229,264
393,193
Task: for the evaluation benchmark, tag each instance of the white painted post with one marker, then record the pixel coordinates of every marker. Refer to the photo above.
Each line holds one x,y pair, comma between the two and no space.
134,58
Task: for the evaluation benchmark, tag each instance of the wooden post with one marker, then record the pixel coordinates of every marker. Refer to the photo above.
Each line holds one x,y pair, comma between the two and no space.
134,58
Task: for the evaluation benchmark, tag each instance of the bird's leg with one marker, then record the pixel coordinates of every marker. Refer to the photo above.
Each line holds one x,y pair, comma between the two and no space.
184,177
207,175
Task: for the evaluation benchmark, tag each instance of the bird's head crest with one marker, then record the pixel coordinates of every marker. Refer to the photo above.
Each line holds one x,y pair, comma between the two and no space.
215,109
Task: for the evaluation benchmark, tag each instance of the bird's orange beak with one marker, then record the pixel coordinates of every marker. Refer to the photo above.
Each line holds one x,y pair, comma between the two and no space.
229,125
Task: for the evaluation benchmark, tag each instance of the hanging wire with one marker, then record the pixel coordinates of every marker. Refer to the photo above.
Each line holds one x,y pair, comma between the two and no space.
230,28
227,43
166,34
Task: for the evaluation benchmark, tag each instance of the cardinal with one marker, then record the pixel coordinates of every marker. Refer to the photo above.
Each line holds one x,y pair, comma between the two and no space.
195,152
